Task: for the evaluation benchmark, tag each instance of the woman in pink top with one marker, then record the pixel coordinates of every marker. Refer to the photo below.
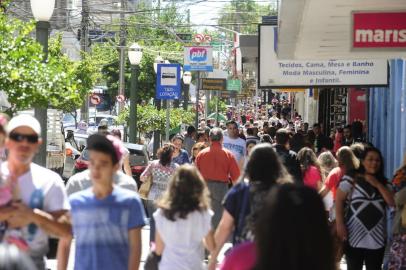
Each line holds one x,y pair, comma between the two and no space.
310,168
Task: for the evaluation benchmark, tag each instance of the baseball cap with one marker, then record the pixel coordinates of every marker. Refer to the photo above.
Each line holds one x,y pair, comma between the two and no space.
107,144
24,120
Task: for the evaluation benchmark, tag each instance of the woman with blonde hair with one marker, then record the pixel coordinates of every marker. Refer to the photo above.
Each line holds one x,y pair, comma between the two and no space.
347,162
327,163
183,220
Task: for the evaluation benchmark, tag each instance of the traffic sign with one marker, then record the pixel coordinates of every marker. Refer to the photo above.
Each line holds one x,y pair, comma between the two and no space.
168,81
95,99
202,38
120,98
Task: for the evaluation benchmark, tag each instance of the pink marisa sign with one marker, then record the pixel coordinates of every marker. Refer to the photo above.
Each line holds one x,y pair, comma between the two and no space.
379,29
198,54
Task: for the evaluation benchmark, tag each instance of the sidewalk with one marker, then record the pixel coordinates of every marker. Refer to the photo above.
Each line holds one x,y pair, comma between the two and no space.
51,264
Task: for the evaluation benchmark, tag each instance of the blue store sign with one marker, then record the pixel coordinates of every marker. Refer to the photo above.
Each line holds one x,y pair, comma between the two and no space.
168,81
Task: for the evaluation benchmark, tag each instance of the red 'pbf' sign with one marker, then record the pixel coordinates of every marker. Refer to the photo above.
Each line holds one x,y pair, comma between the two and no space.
379,29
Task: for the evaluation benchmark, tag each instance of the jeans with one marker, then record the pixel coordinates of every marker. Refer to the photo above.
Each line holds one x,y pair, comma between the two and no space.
151,208
356,257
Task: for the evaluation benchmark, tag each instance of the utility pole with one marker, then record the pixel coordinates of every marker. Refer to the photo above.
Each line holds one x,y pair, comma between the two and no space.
197,100
123,37
84,44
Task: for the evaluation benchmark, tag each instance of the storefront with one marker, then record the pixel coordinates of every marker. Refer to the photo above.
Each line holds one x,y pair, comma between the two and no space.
371,30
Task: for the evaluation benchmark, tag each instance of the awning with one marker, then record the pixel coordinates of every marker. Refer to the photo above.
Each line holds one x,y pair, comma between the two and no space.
320,29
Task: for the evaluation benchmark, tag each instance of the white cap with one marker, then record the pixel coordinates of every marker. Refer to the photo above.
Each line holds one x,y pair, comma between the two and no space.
24,120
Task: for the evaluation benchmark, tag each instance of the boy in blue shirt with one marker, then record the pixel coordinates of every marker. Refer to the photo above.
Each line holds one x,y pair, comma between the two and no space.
106,219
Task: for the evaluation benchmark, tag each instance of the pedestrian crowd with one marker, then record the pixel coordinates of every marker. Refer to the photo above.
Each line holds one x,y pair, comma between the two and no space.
287,198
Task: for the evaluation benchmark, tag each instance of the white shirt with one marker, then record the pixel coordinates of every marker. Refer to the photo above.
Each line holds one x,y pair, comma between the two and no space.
82,181
274,120
42,189
183,240
236,146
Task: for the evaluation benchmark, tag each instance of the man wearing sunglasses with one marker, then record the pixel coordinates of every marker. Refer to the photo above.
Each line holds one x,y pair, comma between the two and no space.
39,206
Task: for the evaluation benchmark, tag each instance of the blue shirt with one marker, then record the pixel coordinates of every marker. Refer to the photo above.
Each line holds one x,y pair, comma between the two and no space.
101,226
237,204
182,158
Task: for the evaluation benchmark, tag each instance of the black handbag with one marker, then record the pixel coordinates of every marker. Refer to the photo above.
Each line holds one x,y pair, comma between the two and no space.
152,261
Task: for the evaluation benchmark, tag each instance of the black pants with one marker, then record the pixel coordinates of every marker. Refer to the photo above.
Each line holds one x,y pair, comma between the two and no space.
356,257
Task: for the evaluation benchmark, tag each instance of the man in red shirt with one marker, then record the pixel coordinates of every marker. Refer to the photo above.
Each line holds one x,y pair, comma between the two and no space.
217,166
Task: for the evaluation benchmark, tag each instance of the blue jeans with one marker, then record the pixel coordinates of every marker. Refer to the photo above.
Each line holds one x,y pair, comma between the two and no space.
151,208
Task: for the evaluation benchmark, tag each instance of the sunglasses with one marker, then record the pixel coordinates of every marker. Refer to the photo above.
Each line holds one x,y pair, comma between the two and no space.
21,137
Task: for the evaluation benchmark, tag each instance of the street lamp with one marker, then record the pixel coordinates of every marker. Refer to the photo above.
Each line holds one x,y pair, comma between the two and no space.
42,11
134,55
168,107
187,79
158,60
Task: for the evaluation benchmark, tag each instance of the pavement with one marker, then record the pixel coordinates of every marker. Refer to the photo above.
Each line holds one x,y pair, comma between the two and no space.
51,264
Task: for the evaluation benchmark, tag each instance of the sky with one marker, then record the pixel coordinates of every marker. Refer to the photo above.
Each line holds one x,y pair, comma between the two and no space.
205,12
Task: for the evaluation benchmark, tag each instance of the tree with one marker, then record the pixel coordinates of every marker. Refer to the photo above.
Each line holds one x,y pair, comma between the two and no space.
83,72
222,108
149,118
243,16
28,81
156,34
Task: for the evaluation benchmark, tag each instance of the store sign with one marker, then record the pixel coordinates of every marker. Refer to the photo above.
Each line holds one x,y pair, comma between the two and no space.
198,59
214,84
379,29
168,81
277,73
290,90
234,85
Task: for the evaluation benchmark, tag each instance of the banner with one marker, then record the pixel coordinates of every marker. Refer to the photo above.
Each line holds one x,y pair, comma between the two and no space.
277,73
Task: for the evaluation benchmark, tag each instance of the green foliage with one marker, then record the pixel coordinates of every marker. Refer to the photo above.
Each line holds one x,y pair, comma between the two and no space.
84,73
146,78
222,105
154,33
150,119
28,82
244,14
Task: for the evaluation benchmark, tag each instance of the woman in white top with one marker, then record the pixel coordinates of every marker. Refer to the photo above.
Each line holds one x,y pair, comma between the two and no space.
183,222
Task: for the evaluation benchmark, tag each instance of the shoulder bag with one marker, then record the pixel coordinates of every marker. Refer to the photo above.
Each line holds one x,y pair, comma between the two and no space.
145,188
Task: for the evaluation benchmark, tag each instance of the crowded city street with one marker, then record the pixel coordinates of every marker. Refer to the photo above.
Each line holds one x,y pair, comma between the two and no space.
202,135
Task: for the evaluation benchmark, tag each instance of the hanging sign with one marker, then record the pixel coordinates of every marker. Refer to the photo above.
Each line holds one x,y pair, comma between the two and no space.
275,73
213,84
198,58
168,81
234,85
